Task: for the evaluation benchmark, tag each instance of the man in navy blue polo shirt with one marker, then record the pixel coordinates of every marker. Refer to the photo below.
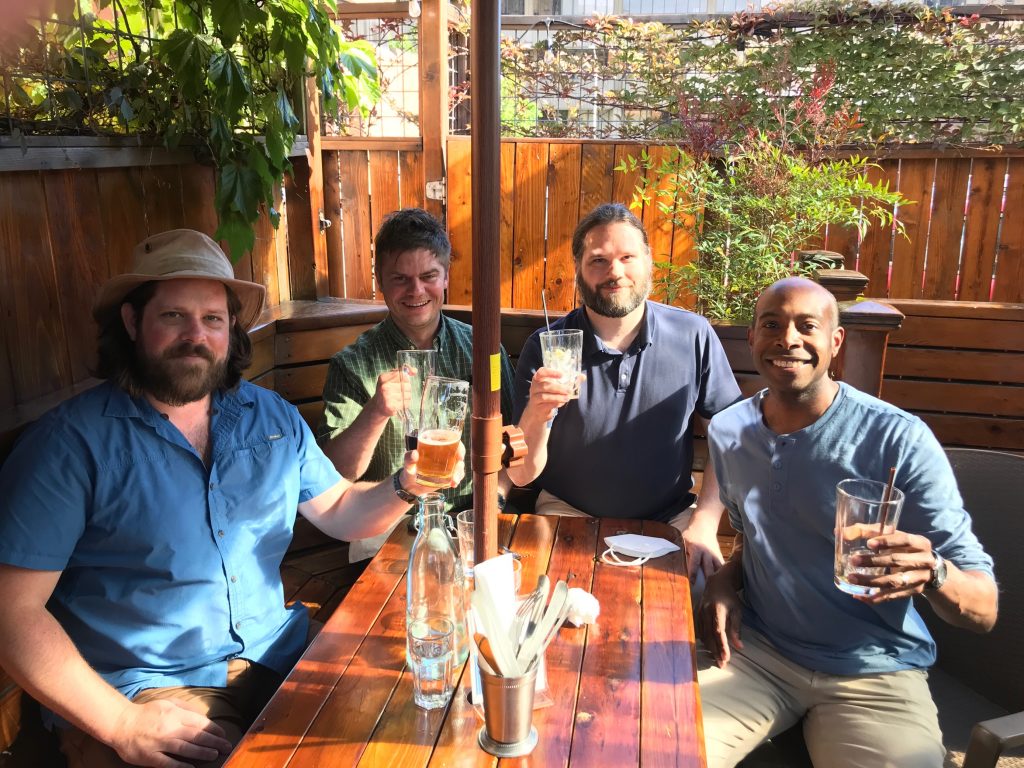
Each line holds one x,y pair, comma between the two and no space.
624,448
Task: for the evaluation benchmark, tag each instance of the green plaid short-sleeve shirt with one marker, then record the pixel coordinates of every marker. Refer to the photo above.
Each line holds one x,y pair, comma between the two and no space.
352,380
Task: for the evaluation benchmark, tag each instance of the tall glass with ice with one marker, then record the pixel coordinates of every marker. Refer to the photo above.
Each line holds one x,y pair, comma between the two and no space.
861,514
562,351
442,414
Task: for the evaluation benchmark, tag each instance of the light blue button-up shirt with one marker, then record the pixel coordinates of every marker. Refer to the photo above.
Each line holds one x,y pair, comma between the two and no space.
169,568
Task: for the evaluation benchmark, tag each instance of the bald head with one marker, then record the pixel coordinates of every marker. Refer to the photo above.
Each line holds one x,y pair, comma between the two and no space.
808,290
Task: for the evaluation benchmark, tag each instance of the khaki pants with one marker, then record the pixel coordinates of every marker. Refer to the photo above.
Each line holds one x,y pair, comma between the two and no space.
865,721
233,708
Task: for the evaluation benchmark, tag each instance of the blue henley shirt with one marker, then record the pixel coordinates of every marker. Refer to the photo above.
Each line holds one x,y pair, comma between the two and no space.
780,491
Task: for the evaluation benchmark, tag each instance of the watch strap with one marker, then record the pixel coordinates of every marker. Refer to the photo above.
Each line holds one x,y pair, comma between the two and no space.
938,573
400,492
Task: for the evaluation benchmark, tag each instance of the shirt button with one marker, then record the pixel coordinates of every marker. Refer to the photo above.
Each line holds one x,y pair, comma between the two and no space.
238,625
777,464
777,486
220,533
234,579
212,486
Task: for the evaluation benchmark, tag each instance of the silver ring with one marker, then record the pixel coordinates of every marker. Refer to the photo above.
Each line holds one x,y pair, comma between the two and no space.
903,578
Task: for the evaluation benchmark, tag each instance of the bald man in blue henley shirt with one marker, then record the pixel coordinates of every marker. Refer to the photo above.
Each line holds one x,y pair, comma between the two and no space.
784,644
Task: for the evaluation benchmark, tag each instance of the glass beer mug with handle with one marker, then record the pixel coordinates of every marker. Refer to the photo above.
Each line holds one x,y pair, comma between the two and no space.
435,583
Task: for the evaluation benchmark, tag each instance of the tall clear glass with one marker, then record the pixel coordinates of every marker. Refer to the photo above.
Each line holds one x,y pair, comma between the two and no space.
414,366
442,414
436,583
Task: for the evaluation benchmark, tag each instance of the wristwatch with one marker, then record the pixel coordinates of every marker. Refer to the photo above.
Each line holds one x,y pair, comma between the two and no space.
400,492
938,573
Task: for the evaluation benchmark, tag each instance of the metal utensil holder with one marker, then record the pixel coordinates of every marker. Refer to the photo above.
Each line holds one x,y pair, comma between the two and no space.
508,714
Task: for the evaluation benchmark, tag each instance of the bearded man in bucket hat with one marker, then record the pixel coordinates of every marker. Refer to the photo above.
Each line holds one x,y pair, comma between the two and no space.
143,524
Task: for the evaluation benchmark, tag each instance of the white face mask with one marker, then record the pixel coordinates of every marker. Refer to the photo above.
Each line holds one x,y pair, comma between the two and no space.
643,548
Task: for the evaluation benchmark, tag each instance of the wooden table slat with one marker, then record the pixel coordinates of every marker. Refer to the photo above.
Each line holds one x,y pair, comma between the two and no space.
670,717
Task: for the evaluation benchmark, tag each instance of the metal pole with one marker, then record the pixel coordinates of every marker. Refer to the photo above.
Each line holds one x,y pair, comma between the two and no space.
485,28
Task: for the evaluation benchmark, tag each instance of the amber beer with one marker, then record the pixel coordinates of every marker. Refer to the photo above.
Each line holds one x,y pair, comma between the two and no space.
442,414
439,450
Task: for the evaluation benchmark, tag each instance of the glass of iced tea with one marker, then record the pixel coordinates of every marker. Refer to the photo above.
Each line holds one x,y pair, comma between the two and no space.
442,414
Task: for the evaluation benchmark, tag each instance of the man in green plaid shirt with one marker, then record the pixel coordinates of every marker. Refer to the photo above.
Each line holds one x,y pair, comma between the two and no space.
361,430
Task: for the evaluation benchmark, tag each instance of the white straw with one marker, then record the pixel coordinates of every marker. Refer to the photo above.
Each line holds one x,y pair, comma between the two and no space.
544,302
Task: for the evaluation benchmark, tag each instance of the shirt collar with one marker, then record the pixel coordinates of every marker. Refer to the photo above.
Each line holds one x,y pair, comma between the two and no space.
122,406
593,344
401,341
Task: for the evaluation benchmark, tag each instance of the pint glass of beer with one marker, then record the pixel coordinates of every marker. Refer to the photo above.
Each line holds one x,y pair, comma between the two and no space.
442,414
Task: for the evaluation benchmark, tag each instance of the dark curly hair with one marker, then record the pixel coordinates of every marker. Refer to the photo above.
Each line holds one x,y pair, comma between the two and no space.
116,350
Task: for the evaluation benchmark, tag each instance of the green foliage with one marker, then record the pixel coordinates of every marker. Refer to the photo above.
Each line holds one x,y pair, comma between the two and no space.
912,73
750,209
223,75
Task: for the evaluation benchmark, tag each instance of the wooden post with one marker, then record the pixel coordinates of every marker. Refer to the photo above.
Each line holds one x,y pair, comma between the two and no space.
434,95
486,163
316,188
861,361
862,358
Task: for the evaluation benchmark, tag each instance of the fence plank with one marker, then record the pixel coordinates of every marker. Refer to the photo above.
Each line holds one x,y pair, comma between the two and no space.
596,176
78,244
314,346
508,210
563,208
413,185
197,196
961,333
1010,273
844,240
983,366
355,215
333,236
31,306
951,180
982,228
528,262
955,397
624,182
876,247
301,382
460,221
124,222
657,224
684,251
975,431
908,253
162,198
384,192
301,269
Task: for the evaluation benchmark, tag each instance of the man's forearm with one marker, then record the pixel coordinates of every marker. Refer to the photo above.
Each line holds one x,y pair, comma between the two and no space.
352,449
968,599
39,656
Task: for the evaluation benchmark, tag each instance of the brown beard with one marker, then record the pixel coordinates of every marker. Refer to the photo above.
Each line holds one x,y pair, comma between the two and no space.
607,307
176,383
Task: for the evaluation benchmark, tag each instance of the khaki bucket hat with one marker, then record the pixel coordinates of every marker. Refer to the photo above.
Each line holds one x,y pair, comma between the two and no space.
180,254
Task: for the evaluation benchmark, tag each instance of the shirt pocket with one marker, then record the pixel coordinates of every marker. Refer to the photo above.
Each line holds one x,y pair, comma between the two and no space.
259,486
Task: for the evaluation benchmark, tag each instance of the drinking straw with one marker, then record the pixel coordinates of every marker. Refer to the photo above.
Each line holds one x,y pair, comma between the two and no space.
544,302
886,496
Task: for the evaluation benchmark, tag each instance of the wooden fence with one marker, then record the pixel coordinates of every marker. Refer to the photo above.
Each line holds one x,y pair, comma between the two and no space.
65,232
964,233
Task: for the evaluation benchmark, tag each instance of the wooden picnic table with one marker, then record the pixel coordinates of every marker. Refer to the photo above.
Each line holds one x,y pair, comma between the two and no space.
624,690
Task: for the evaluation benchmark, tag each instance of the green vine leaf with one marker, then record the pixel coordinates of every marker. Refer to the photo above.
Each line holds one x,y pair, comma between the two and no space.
227,75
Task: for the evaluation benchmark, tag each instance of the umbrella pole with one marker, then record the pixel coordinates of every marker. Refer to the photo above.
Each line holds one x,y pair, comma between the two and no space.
485,29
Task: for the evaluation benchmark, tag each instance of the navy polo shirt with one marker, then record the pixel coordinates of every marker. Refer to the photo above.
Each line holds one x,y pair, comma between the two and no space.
625,447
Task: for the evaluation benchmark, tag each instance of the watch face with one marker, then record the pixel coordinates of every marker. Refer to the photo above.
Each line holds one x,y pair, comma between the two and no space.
939,574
